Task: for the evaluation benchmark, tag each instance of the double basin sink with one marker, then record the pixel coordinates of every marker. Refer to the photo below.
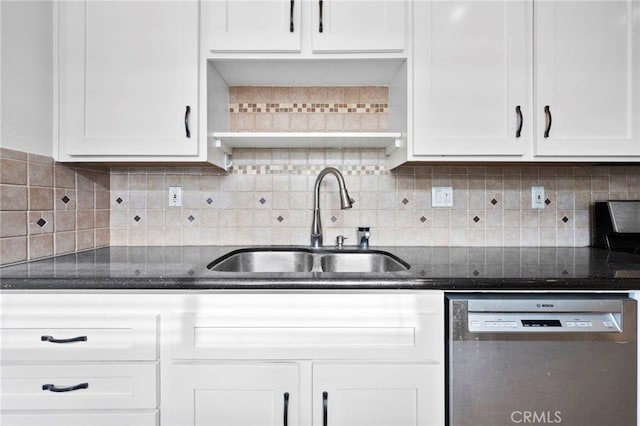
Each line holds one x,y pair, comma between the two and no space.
302,259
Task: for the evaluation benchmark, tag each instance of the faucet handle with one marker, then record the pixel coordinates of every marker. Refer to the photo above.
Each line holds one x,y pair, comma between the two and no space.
340,241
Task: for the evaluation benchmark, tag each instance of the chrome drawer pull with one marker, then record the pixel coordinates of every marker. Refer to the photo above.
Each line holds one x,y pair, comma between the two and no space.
71,340
54,388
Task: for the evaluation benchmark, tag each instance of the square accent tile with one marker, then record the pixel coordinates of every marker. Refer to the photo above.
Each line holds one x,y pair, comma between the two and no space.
334,219
191,218
476,219
423,219
41,222
137,218
405,201
119,200
547,201
209,200
280,218
262,200
565,219
494,201
65,199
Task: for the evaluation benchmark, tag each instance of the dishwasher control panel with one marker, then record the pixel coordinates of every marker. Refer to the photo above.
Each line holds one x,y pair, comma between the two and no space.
496,322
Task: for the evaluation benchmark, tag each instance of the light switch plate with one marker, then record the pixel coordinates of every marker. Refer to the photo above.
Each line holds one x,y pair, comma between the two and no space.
175,196
441,196
537,197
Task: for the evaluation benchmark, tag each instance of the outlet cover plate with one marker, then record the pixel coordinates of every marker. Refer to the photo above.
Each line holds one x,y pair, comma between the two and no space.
441,196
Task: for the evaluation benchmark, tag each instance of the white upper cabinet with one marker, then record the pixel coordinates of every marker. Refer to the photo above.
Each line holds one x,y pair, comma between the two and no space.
259,26
472,78
358,25
127,80
588,78
305,26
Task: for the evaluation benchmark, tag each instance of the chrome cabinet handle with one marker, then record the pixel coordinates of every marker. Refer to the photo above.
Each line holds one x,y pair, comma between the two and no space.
54,388
520,121
187,113
291,17
321,26
325,407
54,340
286,409
547,113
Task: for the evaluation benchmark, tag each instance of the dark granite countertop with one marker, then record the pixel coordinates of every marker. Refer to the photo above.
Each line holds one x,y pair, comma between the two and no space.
443,268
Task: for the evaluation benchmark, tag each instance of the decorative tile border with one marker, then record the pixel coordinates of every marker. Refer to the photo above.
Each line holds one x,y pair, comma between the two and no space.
308,109
359,108
369,170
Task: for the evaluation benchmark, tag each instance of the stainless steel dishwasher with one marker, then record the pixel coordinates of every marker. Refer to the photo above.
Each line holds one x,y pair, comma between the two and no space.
568,360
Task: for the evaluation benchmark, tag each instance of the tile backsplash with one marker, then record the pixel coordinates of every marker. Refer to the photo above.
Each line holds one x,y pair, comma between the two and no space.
268,199
48,208
308,109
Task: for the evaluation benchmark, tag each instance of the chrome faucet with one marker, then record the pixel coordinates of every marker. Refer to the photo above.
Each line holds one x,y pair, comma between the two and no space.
345,203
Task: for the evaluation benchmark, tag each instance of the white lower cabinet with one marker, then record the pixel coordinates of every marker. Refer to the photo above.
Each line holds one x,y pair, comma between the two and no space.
78,359
227,394
377,395
276,394
78,386
222,358
305,358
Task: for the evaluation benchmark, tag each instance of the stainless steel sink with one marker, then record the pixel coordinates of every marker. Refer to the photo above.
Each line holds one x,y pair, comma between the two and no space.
264,260
362,262
302,259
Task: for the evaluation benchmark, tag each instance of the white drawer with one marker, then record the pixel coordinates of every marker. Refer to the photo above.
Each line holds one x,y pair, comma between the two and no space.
101,386
78,337
80,419
390,325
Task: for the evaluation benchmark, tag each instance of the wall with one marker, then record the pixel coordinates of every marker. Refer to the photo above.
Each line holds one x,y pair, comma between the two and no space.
47,208
26,101
268,199
268,196
308,109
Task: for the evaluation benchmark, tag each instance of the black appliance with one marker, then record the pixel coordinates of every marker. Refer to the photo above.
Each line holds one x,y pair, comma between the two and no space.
617,225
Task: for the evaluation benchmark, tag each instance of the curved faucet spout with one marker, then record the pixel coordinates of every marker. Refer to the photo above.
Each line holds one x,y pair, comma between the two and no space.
345,203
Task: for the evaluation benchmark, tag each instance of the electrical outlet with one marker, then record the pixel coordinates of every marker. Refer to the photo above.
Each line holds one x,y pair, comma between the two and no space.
537,197
175,196
442,196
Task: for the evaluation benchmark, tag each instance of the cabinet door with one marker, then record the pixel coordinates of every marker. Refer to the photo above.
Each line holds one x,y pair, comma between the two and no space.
588,78
358,26
378,395
233,395
472,71
253,25
128,73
